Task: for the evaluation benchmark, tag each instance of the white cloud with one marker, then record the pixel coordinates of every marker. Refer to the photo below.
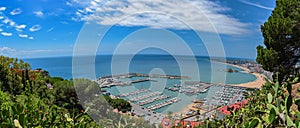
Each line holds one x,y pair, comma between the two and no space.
20,27
35,28
68,3
6,50
13,52
12,23
6,34
23,35
163,14
2,8
37,51
1,17
16,11
80,2
64,22
1,29
38,13
49,30
9,22
31,38
6,21
256,5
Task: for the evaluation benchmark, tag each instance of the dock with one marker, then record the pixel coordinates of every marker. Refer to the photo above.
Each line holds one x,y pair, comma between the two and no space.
172,88
144,102
135,99
163,104
134,92
193,89
110,82
130,75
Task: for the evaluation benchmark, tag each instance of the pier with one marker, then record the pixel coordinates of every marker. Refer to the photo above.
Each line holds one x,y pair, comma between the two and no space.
192,88
110,82
156,100
163,104
130,75
161,97
229,95
172,88
114,80
134,92
135,99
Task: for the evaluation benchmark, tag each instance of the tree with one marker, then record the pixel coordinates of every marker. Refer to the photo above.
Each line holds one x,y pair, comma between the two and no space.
282,40
25,101
230,70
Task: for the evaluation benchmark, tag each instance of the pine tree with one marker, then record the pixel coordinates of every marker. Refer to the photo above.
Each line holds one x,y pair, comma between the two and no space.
282,40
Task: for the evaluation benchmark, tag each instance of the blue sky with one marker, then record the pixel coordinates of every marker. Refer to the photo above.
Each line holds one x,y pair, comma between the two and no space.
43,28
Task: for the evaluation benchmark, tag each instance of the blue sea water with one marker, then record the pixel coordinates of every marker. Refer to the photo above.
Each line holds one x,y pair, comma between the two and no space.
62,67
198,69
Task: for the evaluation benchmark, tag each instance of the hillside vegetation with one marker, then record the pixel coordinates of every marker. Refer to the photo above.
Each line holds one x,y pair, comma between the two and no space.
269,107
276,104
31,98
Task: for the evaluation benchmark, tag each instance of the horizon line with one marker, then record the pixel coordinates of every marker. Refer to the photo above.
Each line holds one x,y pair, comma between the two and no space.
231,57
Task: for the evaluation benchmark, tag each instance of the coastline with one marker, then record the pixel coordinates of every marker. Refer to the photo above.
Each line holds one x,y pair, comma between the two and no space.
253,84
187,108
257,83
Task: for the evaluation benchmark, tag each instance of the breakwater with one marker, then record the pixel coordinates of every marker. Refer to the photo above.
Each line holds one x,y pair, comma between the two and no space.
113,80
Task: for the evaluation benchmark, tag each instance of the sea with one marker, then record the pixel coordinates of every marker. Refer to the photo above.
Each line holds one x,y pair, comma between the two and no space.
196,68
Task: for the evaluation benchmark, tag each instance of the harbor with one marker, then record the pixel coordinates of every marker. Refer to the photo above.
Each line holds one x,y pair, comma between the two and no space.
229,95
113,80
109,82
134,92
135,99
163,104
190,88
145,102
130,75
177,94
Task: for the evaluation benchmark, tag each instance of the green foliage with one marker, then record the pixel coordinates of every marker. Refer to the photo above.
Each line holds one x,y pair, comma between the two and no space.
53,80
26,101
281,38
271,106
268,107
120,104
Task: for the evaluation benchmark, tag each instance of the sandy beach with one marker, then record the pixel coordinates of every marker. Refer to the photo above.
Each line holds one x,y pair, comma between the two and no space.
254,84
187,108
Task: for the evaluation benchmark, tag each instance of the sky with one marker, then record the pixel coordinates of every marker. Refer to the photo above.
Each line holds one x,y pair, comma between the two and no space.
49,28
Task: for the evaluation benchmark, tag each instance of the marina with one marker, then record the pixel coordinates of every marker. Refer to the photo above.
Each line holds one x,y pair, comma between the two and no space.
178,93
134,92
229,95
130,75
190,88
163,104
145,102
135,99
202,93
110,81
